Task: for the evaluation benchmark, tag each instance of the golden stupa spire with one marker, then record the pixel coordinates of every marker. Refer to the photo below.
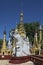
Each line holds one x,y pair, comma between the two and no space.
4,41
21,29
21,26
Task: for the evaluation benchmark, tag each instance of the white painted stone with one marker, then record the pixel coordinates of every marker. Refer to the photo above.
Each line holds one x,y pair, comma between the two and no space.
22,46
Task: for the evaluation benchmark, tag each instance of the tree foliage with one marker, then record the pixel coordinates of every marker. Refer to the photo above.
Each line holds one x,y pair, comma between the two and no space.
1,42
31,29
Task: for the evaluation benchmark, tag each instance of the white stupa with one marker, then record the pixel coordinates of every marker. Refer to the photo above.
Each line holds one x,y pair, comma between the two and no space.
22,46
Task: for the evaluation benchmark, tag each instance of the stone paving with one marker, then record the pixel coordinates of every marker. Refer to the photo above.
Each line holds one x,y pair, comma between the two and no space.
6,62
27,63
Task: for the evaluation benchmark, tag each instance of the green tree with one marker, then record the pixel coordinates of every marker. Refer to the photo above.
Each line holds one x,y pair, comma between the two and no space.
30,29
1,42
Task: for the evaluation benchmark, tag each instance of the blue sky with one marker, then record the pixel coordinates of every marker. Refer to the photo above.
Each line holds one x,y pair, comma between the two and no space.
10,13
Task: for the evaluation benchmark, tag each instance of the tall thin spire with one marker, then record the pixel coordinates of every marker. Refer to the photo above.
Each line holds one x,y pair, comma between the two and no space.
21,17
21,10
21,29
4,41
40,28
21,5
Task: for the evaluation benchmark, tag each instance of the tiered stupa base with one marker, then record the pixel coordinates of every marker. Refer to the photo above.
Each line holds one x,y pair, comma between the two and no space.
19,60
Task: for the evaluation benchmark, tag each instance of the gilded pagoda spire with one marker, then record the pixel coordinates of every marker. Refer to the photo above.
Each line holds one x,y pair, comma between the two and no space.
4,47
4,41
21,26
